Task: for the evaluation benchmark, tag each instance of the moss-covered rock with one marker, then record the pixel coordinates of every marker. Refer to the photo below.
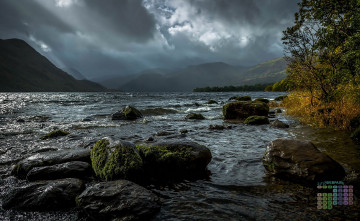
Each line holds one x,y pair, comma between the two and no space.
266,101
174,160
280,98
195,116
240,98
119,161
356,135
128,113
256,120
244,109
55,133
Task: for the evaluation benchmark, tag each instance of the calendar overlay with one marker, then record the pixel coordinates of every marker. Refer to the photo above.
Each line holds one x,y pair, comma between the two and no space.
334,193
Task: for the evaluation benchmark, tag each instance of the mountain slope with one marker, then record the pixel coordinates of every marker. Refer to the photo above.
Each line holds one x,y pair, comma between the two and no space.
75,73
22,68
203,75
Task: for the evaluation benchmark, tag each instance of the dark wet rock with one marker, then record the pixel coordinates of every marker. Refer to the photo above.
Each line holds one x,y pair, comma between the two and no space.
278,111
128,113
279,124
266,101
356,135
195,116
149,139
212,102
158,111
174,159
20,120
197,104
280,98
219,127
184,131
256,120
88,119
55,133
74,169
300,161
163,133
119,160
44,195
118,200
242,98
49,158
244,109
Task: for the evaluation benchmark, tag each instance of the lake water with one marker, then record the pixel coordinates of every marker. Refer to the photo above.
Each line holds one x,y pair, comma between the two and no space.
238,188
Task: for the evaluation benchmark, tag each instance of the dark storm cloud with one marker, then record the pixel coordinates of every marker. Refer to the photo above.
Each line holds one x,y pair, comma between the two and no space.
113,37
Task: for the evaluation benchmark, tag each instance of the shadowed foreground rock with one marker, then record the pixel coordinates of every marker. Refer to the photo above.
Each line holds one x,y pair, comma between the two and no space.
174,160
49,158
243,109
74,169
300,161
44,195
118,200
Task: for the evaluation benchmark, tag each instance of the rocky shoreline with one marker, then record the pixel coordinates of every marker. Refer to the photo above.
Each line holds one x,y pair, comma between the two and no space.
109,181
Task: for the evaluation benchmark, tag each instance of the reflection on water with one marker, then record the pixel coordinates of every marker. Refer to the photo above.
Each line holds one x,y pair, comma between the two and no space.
237,189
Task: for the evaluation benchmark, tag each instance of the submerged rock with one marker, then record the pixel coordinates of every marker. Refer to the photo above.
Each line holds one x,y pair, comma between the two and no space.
74,169
195,116
256,120
118,200
219,127
44,195
116,161
174,159
242,98
55,133
266,101
128,113
300,161
243,109
212,102
163,133
279,124
49,158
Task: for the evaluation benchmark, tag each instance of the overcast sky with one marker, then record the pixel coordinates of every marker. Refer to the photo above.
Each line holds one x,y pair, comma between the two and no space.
117,37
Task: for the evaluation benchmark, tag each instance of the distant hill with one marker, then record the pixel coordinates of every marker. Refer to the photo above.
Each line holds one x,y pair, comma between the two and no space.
217,74
22,68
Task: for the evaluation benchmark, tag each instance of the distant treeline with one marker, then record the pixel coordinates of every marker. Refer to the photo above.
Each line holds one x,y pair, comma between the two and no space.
256,87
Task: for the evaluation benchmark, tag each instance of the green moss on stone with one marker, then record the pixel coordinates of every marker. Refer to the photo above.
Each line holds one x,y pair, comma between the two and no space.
55,133
256,120
119,161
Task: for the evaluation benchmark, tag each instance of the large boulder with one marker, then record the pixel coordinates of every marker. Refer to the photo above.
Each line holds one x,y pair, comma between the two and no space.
116,160
118,200
74,169
244,109
49,158
256,120
128,113
174,160
44,195
300,161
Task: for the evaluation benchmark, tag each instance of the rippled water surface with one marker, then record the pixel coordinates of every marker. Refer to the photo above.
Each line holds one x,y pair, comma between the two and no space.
237,189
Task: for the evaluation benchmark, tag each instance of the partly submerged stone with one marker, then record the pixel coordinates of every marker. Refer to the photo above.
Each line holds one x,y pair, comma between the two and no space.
119,160
279,124
256,120
174,160
240,98
243,109
300,161
44,195
55,133
74,169
195,116
128,113
50,158
118,200
212,102
266,101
